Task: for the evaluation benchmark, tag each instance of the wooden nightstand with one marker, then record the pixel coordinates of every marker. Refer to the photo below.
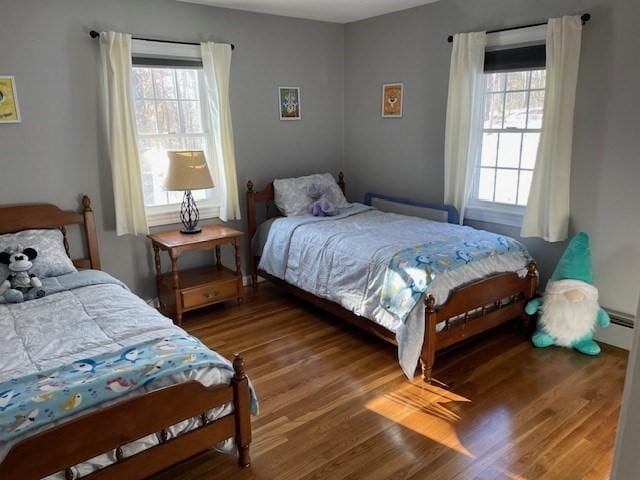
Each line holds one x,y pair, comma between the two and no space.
181,291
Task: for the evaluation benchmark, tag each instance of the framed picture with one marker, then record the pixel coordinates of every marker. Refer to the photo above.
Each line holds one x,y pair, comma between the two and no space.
9,109
289,103
392,97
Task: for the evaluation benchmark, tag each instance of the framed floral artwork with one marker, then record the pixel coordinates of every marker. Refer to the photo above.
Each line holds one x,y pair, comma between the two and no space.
289,103
392,98
9,109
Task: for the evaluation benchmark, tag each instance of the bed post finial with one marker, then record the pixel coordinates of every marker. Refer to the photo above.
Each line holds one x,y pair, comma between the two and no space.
86,203
241,396
341,183
430,303
249,186
532,268
238,367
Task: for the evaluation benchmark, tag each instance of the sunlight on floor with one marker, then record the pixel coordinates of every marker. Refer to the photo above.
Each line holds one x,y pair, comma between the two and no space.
422,409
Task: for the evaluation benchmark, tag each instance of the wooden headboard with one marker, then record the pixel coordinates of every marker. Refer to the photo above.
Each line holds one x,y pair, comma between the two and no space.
34,216
266,196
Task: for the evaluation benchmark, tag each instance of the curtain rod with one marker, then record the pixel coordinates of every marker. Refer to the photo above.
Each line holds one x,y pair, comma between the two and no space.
585,18
96,34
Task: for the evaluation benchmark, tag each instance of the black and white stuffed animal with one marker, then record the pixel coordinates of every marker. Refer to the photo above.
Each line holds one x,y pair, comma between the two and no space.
20,285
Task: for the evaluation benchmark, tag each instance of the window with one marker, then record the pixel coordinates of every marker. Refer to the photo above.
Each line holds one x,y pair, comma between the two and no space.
169,116
512,122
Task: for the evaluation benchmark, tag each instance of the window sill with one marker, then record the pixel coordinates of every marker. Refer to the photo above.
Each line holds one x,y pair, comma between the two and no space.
491,213
169,215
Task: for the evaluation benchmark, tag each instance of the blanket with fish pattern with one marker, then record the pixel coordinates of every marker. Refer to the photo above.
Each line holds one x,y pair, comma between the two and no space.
411,270
40,398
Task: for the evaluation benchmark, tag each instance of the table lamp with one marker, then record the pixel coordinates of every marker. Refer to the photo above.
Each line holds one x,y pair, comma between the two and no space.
188,171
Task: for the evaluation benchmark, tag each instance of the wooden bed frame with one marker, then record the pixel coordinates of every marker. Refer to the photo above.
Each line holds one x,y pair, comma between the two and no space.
470,309
106,430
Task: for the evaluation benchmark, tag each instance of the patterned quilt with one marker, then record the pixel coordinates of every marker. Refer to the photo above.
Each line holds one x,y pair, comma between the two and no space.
40,398
412,270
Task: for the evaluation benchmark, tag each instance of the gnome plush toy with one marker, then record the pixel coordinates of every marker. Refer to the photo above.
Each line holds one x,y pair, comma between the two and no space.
569,310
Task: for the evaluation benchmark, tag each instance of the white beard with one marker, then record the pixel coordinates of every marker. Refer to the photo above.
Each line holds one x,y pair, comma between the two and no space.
568,321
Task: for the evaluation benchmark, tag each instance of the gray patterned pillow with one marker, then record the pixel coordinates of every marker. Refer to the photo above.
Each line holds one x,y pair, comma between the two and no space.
52,259
291,195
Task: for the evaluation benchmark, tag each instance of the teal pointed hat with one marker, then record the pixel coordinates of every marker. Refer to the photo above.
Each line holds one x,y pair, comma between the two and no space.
575,263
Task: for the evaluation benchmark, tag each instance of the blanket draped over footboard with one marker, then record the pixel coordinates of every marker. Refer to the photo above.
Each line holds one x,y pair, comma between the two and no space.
40,398
412,270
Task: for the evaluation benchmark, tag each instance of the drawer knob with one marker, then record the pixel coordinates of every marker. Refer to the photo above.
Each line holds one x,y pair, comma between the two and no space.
211,294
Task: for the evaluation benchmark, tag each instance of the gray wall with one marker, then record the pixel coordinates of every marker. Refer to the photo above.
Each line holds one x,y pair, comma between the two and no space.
405,156
56,152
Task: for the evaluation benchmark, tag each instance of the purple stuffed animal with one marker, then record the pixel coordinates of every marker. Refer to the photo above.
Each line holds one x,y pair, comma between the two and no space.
321,206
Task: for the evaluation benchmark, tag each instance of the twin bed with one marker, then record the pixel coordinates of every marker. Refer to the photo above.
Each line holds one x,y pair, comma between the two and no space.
69,363
422,285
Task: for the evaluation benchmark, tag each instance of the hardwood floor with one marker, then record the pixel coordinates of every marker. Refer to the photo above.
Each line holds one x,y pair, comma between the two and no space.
335,405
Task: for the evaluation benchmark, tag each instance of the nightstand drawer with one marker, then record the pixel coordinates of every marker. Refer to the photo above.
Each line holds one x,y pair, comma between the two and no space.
211,293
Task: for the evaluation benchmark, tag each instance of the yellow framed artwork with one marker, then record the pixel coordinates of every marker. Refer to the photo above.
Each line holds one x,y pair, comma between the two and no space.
9,109
392,94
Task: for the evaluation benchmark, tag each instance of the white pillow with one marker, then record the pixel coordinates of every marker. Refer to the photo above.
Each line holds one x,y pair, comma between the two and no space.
292,198
52,259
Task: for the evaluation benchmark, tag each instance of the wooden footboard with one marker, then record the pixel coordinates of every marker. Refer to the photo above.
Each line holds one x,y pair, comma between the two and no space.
108,429
473,309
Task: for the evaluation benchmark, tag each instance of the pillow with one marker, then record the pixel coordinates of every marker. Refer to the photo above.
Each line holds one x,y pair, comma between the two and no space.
52,259
291,195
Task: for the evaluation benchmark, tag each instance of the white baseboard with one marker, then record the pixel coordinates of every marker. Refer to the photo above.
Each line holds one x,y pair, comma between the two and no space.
616,335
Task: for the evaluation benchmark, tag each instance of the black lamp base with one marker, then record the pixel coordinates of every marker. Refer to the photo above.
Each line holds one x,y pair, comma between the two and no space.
189,214
190,232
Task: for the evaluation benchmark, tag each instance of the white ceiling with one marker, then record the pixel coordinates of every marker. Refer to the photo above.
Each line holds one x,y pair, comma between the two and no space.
341,11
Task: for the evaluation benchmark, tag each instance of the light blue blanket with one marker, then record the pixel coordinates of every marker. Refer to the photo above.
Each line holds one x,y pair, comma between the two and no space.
276,248
412,270
34,400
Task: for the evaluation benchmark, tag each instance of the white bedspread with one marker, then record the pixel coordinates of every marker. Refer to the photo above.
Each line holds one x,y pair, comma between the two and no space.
344,259
80,323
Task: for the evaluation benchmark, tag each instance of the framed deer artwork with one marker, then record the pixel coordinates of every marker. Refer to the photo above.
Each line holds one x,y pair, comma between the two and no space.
392,98
289,103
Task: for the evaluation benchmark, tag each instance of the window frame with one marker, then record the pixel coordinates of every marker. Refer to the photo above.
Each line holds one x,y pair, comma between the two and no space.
168,214
493,212
496,211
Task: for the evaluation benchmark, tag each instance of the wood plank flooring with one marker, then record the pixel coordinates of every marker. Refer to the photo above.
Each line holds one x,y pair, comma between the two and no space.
335,405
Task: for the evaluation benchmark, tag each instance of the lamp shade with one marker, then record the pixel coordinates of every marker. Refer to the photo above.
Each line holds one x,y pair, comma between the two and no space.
188,170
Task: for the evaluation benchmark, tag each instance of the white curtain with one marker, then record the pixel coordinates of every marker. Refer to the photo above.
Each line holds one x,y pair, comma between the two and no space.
117,104
464,113
216,63
547,212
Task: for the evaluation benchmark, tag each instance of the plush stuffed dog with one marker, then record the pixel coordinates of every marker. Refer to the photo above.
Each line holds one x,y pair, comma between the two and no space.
20,285
569,310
